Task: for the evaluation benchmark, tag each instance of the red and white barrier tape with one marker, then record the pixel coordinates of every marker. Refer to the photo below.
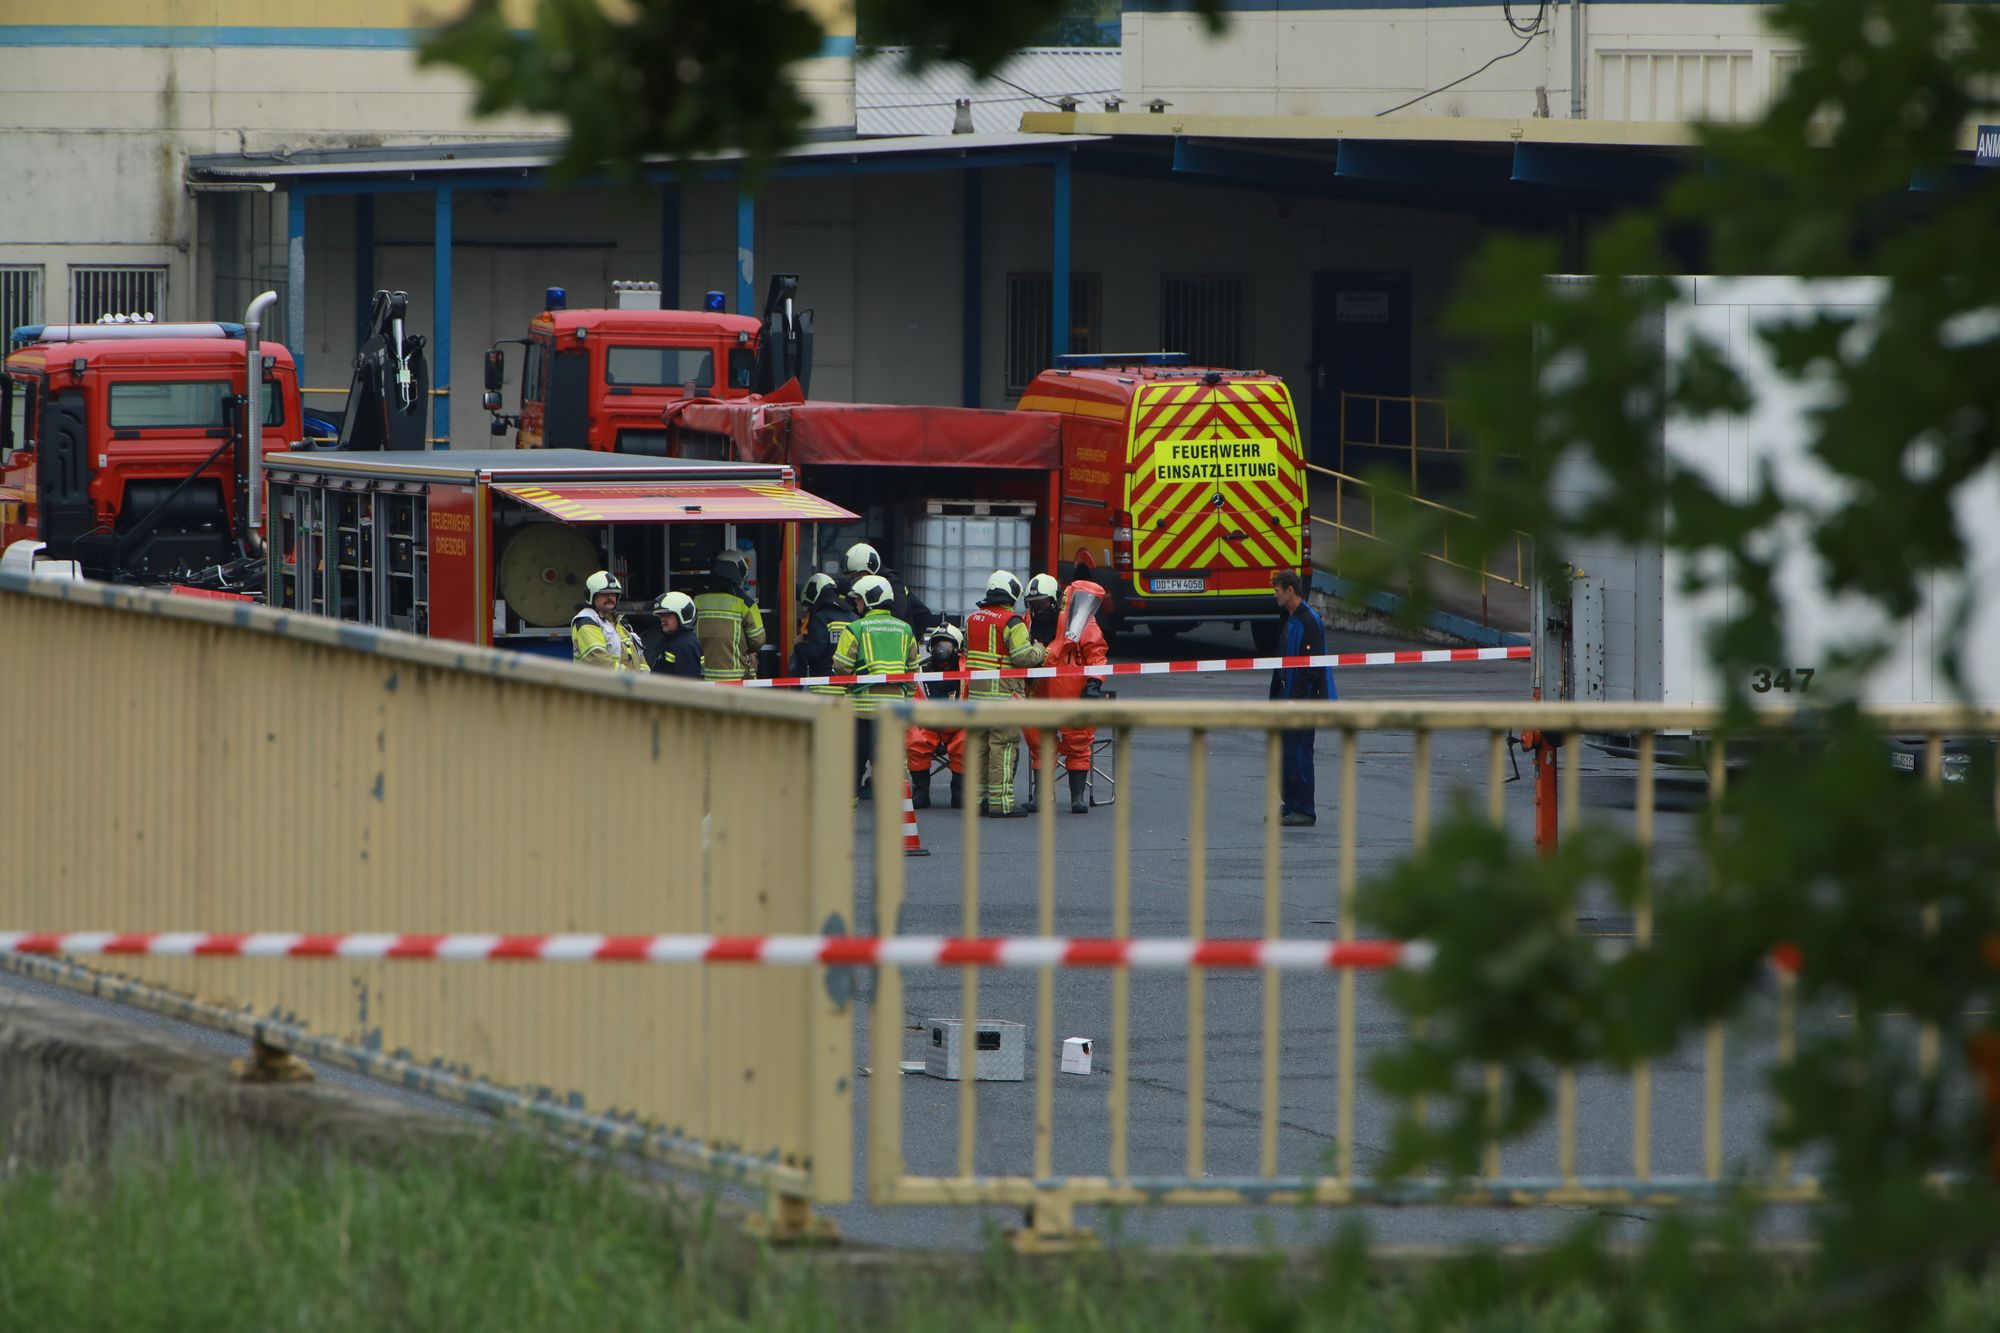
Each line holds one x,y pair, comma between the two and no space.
1411,657
771,950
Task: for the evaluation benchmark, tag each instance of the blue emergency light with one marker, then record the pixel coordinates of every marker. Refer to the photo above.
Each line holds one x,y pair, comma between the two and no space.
1103,360
556,299
715,301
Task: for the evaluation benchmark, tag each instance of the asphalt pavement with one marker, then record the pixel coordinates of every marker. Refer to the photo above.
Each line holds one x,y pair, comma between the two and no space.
1157,789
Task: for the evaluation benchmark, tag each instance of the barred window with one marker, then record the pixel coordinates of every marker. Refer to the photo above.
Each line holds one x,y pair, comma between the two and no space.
20,298
120,289
1029,317
1206,317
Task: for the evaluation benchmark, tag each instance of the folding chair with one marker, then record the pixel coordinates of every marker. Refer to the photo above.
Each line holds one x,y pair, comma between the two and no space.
1103,770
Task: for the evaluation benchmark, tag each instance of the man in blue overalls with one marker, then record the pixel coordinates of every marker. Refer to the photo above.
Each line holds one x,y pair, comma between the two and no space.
1303,636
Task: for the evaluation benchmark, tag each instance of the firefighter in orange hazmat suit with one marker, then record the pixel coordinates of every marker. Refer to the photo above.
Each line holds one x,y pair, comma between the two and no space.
1078,642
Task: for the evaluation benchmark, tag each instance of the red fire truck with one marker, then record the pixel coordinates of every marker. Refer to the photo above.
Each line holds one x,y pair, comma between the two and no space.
493,546
130,449
1181,490
599,379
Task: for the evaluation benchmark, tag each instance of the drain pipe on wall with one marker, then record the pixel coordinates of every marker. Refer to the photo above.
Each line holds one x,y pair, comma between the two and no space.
1576,59
253,395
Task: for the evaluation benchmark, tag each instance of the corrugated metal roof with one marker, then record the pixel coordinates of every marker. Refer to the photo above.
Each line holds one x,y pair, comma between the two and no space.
890,100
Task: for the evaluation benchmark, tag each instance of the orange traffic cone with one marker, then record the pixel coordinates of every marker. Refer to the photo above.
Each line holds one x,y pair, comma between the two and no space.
913,845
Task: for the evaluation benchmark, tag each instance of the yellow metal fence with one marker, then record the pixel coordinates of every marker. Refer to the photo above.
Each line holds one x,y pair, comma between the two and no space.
1691,1165
178,761
185,764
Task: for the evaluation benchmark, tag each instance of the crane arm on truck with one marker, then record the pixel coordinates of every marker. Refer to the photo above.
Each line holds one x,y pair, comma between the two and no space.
387,398
786,352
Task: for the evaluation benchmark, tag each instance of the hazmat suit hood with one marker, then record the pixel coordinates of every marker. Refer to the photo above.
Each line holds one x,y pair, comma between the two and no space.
1080,602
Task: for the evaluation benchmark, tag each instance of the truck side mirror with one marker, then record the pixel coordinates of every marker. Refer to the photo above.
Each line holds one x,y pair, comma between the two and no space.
490,400
496,376
497,426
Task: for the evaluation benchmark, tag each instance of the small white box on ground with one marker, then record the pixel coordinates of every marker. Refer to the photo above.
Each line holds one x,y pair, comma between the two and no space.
1001,1055
1076,1055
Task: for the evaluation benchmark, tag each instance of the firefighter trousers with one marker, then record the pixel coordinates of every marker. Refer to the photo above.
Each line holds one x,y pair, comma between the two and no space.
1073,746
997,781
924,745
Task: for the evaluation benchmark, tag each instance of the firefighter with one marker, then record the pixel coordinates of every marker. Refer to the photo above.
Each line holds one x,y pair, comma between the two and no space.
944,644
1041,601
729,625
1079,642
680,649
996,637
826,613
874,642
598,635
862,560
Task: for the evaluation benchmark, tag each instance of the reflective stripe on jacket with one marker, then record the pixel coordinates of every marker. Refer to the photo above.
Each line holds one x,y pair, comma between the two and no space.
730,630
815,656
878,642
594,641
995,637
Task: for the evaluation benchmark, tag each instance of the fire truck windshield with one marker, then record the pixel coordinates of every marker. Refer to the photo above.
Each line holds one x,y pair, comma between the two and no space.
659,366
186,404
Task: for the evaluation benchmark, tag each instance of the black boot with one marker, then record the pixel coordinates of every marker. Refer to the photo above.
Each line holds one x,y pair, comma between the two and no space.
920,790
958,791
1079,793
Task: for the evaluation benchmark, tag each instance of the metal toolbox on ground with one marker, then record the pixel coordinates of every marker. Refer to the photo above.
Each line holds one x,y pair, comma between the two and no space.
1001,1050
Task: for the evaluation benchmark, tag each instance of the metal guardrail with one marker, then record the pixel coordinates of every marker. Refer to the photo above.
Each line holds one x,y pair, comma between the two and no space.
1352,497
188,760
1051,1199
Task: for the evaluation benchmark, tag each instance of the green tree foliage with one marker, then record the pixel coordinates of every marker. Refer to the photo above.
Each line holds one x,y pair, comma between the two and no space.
1883,889
676,79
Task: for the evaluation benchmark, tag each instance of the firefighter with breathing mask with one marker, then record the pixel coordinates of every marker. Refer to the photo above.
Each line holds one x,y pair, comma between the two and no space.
598,635
944,645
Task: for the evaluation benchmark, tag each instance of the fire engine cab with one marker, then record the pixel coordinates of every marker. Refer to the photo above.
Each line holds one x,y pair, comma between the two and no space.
493,546
127,448
601,378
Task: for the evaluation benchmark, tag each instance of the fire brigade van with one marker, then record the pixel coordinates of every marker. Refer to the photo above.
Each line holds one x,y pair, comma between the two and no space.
1183,488
123,446
493,547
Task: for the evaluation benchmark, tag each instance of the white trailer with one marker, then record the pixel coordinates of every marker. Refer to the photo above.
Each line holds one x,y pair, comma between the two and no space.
1637,633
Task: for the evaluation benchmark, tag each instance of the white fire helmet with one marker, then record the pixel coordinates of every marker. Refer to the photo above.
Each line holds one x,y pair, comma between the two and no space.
1002,586
874,591
1043,585
603,581
863,559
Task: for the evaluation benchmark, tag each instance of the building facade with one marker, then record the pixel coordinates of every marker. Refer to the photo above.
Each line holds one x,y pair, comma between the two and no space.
1244,198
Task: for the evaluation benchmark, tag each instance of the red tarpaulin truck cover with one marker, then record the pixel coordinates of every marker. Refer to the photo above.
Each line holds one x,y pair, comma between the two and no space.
877,434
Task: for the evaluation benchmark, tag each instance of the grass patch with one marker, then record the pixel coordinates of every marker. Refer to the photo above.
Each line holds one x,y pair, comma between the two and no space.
517,1238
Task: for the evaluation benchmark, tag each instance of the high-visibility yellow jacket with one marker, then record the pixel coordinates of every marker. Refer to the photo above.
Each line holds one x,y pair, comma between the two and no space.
878,642
995,637
597,642
731,630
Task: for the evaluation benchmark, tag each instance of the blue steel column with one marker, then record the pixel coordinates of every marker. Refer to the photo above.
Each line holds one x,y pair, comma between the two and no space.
974,316
1059,261
746,250
670,246
295,279
441,322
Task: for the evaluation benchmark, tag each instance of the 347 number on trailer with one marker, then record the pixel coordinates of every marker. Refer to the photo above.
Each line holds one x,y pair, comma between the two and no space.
1763,680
